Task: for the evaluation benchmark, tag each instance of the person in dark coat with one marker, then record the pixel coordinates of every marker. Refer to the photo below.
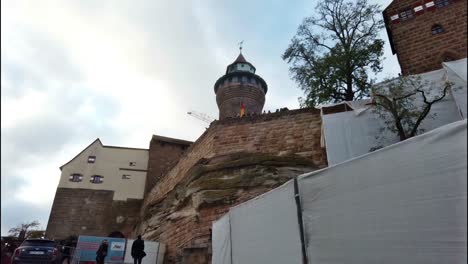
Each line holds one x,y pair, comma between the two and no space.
101,253
138,252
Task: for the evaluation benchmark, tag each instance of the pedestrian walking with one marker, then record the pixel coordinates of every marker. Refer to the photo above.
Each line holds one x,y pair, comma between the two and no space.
138,252
101,253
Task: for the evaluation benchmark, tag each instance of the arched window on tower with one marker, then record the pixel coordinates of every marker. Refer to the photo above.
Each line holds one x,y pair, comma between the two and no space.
437,29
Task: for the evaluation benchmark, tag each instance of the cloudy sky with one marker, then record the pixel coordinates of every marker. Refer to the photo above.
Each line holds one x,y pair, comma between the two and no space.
73,71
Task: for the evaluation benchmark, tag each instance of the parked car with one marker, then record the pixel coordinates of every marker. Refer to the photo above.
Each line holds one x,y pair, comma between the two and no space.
35,251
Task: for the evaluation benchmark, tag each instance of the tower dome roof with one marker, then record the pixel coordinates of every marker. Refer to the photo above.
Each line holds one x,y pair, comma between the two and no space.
240,59
240,64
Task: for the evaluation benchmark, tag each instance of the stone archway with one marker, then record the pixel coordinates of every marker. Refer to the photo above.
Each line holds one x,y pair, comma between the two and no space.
116,234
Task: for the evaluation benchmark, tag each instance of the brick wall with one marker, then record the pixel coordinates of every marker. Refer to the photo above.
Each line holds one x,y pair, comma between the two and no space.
418,50
284,133
230,96
235,160
163,155
90,212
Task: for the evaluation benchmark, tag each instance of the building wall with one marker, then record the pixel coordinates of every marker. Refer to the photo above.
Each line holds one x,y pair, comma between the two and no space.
90,212
163,155
230,96
111,163
418,50
284,133
233,161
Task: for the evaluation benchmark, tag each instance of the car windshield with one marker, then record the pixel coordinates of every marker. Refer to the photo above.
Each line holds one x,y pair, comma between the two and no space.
38,243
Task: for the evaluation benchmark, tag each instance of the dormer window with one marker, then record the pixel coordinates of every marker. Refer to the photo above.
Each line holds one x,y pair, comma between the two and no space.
132,164
76,177
91,159
96,179
437,29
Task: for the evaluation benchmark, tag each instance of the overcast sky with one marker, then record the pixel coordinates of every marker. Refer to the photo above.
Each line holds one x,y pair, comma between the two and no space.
73,71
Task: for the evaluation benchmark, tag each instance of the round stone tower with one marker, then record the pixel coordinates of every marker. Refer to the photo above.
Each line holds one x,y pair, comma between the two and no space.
240,87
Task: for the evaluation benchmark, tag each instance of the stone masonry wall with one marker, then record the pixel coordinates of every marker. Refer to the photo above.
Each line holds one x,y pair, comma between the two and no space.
235,160
183,219
288,132
91,212
230,96
418,50
162,157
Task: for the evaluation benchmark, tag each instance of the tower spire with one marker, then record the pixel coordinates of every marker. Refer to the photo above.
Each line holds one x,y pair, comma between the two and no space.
240,46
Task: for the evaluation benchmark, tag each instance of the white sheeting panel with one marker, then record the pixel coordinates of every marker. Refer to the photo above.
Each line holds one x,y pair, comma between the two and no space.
351,134
458,66
456,73
348,135
265,230
405,203
444,111
221,241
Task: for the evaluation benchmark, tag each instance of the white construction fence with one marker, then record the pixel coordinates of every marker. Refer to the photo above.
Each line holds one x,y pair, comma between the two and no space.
405,203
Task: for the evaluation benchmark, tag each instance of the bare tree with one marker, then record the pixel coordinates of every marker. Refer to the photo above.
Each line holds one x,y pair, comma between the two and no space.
403,103
23,231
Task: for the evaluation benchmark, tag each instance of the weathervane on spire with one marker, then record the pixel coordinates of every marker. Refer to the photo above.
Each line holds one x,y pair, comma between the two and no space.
240,46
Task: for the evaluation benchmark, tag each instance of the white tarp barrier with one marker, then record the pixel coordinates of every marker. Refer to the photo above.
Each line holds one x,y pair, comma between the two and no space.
348,135
221,237
264,230
458,66
406,203
154,252
456,73
354,133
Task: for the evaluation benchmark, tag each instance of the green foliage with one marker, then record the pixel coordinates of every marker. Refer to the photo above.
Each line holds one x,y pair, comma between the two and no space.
331,54
403,103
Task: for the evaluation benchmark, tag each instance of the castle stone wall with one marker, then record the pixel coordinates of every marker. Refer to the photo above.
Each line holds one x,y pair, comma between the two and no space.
162,157
91,212
235,160
284,133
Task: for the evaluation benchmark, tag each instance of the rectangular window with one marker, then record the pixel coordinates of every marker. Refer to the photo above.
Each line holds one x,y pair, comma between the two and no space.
406,14
96,179
132,164
91,159
126,177
442,3
76,177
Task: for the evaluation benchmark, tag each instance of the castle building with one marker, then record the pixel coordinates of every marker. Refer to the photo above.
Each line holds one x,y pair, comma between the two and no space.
100,191
234,160
424,34
174,190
